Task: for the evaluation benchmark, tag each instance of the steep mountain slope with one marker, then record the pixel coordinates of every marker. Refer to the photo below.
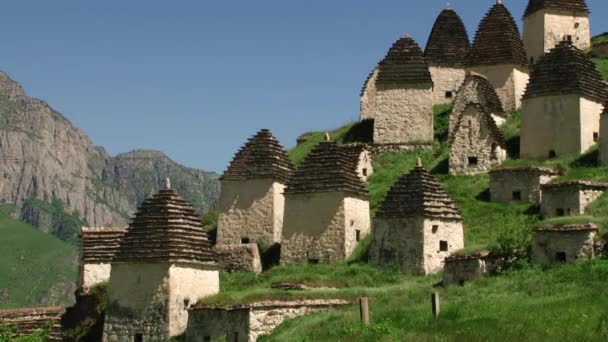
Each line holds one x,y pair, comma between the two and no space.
46,160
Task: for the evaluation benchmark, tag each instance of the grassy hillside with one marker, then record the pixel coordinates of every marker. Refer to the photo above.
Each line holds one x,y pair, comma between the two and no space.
36,269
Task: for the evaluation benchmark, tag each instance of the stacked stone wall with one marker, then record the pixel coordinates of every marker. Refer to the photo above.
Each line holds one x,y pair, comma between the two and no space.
402,247
239,258
577,245
509,81
93,275
436,232
368,97
446,80
603,141
460,270
26,322
570,200
526,183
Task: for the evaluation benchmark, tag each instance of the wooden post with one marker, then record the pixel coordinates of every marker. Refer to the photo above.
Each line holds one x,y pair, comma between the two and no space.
364,310
435,304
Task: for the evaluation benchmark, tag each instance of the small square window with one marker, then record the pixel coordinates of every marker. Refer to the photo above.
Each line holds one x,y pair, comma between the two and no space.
517,195
443,246
560,212
435,229
352,223
576,25
560,256
531,60
596,136
207,339
449,94
364,172
552,154
473,161
245,241
358,235
569,38
313,261
138,338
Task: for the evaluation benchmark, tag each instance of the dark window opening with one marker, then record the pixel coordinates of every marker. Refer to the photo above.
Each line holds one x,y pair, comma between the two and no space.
236,337
352,223
435,229
560,256
552,154
494,155
596,136
531,60
443,246
560,212
245,241
139,338
576,25
517,195
358,235
365,172
313,261
207,339
460,282
473,161
569,38
448,94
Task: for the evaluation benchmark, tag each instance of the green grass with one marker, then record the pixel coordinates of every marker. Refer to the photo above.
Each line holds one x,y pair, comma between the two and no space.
602,66
36,269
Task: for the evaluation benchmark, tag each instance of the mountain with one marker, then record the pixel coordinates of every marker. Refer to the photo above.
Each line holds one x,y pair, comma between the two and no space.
60,180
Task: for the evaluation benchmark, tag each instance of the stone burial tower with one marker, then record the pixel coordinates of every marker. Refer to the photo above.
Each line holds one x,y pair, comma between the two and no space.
548,22
498,54
399,98
326,208
476,89
417,226
164,264
476,143
251,199
562,105
445,53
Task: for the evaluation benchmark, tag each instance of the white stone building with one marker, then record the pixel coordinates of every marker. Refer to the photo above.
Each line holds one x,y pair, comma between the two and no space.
98,245
569,198
417,226
326,208
362,155
164,264
463,268
561,108
518,185
564,243
498,54
476,143
445,54
251,200
476,89
548,22
398,96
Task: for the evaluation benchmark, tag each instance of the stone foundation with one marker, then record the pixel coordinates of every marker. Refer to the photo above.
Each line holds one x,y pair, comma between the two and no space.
246,323
239,258
461,269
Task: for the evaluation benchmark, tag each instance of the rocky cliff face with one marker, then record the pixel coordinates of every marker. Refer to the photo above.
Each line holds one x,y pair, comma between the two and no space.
44,157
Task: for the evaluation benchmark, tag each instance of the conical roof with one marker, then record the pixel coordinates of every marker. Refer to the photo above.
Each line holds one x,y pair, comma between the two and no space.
404,64
498,40
566,70
166,229
487,118
262,157
571,6
484,91
328,168
448,43
418,194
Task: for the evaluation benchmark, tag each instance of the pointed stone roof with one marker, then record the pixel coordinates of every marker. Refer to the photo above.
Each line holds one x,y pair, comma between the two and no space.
418,194
448,43
328,168
166,229
487,118
262,157
484,92
497,40
100,244
571,6
566,70
404,64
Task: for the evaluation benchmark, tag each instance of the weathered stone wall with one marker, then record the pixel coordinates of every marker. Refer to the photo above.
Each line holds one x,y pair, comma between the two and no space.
252,210
187,285
436,232
368,98
564,124
404,114
474,139
446,80
358,225
317,224
509,81
467,94
576,245
26,322
239,258
603,141
569,199
92,275
544,29
398,242
378,149
504,184
248,322
365,168
459,271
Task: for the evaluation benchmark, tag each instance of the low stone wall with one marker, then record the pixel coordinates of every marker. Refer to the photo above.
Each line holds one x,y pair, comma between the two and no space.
26,322
246,323
378,149
239,258
461,269
565,244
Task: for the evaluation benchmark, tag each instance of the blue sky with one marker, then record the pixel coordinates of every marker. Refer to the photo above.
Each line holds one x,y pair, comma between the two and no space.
196,78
